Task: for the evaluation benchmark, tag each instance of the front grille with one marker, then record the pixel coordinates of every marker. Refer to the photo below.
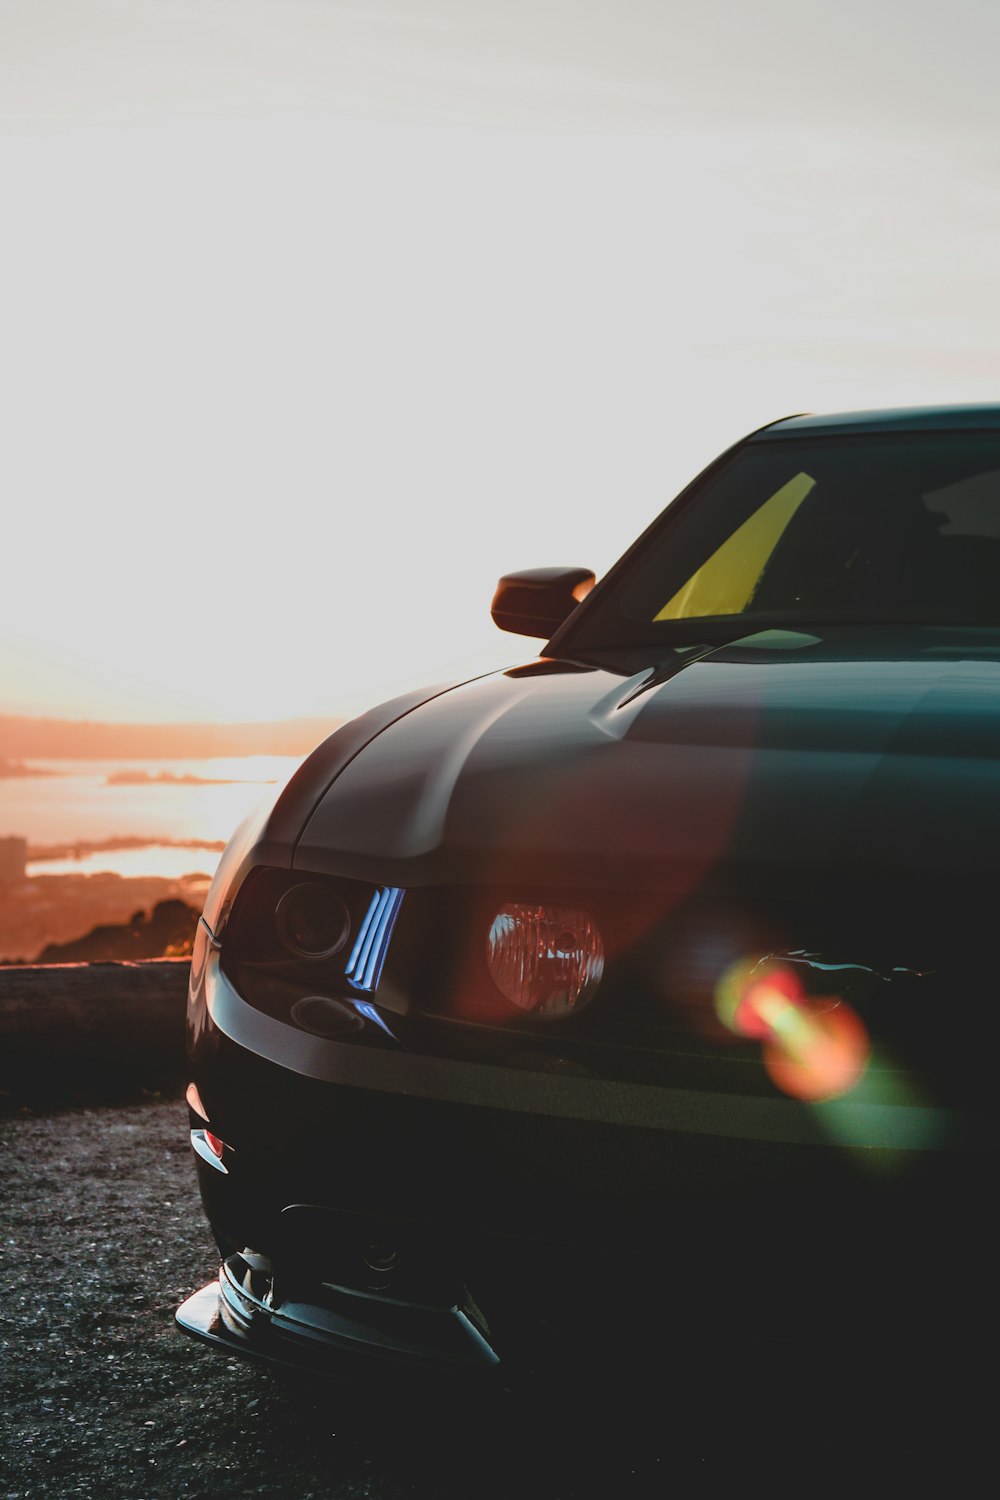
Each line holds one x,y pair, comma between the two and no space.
915,966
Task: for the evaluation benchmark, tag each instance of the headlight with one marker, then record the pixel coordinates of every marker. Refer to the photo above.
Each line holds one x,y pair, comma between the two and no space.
311,921
547,960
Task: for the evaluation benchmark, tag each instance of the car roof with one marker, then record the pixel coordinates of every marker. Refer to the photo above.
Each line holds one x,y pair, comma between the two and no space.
979,418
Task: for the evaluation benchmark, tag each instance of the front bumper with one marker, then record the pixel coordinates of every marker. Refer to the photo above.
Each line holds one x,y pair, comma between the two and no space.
334,1330
526,1213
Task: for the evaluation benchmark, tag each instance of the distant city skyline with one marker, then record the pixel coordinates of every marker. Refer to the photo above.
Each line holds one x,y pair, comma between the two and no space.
318,318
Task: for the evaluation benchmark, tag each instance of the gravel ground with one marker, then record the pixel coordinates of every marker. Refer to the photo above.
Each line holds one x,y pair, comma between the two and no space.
102,1236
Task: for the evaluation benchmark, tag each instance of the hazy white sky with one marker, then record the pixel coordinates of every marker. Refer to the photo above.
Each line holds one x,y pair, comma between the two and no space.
316,317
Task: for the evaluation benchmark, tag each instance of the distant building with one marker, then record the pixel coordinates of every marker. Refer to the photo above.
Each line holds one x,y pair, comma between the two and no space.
13,859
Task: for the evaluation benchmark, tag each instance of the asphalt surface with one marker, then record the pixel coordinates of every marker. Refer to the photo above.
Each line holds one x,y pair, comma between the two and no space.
102,1236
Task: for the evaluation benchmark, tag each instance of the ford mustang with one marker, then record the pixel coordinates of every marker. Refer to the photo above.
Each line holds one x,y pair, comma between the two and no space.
642,997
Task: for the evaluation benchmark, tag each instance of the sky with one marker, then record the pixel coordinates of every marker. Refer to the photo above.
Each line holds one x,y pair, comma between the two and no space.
315,317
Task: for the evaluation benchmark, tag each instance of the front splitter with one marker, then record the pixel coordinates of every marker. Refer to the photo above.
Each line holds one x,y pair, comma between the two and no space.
349,1336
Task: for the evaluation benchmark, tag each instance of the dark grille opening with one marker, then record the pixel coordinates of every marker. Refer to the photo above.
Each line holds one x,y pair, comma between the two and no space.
328,1248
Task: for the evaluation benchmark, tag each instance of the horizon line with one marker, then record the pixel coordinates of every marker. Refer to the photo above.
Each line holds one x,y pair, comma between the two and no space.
174,723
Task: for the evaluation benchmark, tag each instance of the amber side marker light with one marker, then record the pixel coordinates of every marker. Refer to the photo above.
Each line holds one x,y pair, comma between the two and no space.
210,1147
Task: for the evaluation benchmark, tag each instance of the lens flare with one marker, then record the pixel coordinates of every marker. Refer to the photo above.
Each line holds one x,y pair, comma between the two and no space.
813,1047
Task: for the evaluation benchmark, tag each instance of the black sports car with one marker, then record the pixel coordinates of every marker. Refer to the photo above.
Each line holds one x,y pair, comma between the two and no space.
642,997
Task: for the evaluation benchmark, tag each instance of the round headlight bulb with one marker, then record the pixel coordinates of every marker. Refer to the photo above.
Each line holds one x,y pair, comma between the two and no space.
312,921
546,960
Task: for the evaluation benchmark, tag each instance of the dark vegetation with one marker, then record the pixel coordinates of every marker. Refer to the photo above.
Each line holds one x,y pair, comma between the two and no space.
87,918
168,932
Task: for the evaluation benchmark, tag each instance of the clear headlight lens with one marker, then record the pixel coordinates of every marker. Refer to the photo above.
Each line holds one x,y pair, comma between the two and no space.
547,960
311,921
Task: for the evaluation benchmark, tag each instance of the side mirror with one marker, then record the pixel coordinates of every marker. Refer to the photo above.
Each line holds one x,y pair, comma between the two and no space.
536,601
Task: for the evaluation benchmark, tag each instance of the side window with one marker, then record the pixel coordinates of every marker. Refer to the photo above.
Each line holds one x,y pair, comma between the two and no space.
971,507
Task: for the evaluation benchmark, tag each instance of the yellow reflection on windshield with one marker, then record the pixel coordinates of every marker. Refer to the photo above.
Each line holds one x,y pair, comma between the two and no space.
726,583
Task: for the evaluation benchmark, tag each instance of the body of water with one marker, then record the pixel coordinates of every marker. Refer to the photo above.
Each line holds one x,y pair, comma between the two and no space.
162,802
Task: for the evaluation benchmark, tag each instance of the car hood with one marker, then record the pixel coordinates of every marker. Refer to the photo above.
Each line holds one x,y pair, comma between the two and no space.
774,759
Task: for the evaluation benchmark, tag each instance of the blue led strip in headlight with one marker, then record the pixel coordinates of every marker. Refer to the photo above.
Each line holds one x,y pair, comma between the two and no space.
368,954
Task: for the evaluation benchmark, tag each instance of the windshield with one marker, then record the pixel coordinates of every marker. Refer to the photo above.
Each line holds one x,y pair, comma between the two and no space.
799,532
